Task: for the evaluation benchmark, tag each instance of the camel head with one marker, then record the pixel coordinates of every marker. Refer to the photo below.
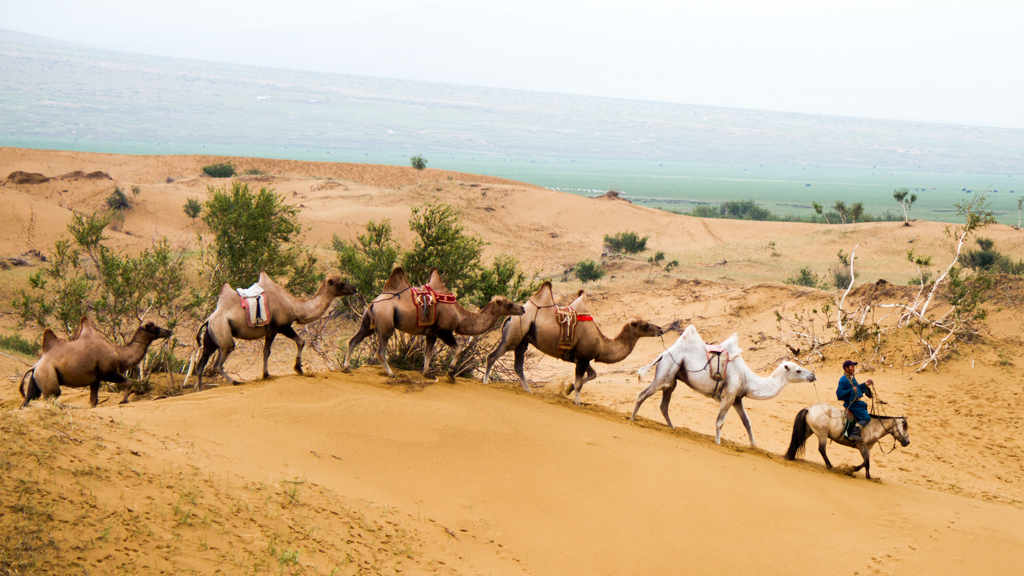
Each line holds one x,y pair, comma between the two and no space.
643,329
335,287
793,372
506,307
154,332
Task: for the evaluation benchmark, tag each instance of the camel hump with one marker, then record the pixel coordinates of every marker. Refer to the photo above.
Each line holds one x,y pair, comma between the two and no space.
436,283
227,290
732,345
83,325
397,281
691,334
49,340
265,281
580,303
543,296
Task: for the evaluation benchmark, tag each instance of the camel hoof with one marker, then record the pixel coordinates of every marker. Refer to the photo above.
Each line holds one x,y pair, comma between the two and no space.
346,370
298,369
266,376
450,377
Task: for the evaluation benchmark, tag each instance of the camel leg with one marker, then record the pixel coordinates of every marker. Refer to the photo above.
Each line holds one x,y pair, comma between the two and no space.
584,373
32,391
822,440
222,357
428,353
643,395
666,397
289,332
722,411
209,346
496,353
121,382
365,329
94,394
738,407
453,343
267,343
520,360
383,335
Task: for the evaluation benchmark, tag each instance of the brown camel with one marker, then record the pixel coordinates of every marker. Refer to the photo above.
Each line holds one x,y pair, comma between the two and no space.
228,321
86,361
395,309
539,327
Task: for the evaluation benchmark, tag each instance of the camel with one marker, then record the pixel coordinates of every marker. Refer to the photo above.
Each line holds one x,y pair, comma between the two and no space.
827,423
86,361
395,309
688,360
539,327
228,321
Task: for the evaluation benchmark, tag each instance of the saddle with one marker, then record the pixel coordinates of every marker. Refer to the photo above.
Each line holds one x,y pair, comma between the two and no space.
567,319
426,300
254,302
717,367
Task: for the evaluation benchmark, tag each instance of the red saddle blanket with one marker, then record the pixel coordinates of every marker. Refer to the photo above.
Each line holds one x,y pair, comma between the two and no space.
567,319
426,301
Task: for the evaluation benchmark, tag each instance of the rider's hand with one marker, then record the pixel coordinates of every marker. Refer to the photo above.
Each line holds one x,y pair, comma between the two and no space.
870,382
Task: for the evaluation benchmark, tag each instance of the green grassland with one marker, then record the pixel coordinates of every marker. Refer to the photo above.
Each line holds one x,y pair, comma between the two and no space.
664,155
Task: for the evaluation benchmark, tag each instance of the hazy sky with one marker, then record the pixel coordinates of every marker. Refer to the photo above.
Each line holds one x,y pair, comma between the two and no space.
948,62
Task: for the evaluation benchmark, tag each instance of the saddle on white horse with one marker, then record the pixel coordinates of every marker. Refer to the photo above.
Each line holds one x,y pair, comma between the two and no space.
254,302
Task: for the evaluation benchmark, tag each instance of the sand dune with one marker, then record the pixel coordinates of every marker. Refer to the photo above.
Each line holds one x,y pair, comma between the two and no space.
475,479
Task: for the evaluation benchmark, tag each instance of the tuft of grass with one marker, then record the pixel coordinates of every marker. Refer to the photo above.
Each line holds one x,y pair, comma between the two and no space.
221,170
15,343
118,200
804,278
254,172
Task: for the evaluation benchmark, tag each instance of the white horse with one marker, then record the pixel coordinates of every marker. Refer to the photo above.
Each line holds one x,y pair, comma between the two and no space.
688,360
826,422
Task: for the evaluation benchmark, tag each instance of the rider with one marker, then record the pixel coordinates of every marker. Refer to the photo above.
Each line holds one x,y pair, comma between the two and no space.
849,392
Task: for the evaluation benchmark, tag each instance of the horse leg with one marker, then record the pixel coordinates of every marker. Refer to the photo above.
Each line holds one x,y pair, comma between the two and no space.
666,397
738,407
365,329
289,332
520,355
267,342
727,402
865,451
822,440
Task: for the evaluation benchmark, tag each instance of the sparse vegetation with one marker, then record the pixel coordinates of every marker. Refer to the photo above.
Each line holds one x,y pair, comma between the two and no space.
193,207
906,200
136,191
254,172
805,277
117,200
989,259
656,262
588,271
626,242
418,162
840,271
220,170
15,343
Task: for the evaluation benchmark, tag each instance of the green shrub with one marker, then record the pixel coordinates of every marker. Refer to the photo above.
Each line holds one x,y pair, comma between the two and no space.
254,231
221,170
15,343
254,172
925,278
588,271
367,262
805,278
118,200
626,242
193,207
418,162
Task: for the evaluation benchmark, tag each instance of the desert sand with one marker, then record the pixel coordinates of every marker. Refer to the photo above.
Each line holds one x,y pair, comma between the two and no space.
359,473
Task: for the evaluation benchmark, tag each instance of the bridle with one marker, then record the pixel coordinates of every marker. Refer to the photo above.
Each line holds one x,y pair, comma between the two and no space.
896,432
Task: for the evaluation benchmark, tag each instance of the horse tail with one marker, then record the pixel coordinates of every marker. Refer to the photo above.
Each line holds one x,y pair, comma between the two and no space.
199,333
800,434
21,387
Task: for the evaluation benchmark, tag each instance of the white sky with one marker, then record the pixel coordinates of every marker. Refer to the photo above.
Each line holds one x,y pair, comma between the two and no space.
934,61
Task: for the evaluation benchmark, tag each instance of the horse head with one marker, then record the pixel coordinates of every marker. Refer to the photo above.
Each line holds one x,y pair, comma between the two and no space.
900,430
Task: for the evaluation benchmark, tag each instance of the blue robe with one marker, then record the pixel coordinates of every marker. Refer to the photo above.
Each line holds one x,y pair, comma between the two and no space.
849,392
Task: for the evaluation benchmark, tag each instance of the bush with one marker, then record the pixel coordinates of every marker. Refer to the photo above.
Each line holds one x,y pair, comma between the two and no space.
193,207
441,242
626,242
988,259
136,191
367,262
254,231
15,343
588,270
222,170
254,172
418,162
734,209
117,200
805,278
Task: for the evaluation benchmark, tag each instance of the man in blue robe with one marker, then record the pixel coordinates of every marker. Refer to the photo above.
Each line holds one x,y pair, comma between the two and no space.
850,392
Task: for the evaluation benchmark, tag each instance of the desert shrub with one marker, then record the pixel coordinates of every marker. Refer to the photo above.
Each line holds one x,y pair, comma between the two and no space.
925,278
254,231
840,271
988,259
254,172
734,209
193,207
15,343
656,262
136,191
588,271
119,290
367,262
506,278
418,162
442,242
805,278
220,170
117,200
626,242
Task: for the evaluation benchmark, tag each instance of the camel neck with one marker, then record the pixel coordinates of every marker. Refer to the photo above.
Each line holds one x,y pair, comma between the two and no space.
761,388
472,324
616,350
131,354
307,311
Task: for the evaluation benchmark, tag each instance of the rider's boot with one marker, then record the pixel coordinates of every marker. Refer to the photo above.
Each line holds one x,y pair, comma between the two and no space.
853,432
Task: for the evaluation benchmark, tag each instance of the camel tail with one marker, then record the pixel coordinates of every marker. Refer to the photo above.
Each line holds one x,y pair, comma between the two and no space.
643,371
800,434
199,333
21,387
